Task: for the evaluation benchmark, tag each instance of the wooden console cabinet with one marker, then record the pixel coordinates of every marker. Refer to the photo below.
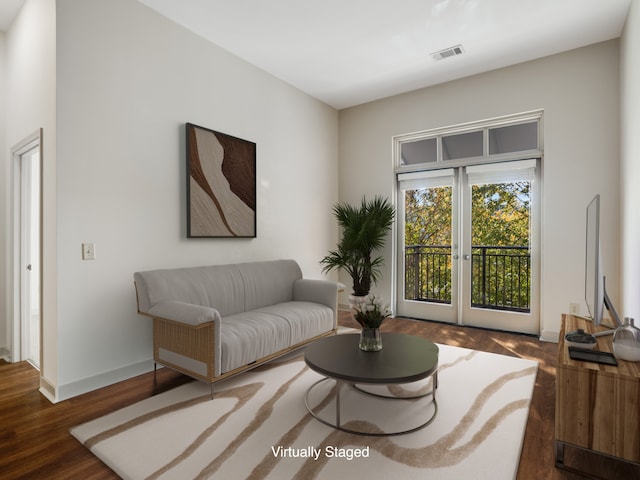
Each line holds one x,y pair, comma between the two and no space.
597,406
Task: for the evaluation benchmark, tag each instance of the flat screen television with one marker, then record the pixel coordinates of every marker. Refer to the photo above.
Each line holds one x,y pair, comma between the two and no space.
595,290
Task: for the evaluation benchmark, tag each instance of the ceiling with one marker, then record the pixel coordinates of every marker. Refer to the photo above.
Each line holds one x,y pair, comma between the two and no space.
348,52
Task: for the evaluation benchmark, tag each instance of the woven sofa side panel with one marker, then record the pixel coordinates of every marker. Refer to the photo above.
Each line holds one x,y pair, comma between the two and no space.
194,344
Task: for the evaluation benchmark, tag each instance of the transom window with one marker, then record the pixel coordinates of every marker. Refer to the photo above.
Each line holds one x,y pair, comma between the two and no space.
496,139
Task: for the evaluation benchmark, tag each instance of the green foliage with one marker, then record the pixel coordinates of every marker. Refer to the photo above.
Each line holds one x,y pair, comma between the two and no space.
428,216
501,214
364,229
501,218
428,223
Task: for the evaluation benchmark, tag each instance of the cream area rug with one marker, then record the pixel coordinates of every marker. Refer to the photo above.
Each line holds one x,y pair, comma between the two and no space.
257,426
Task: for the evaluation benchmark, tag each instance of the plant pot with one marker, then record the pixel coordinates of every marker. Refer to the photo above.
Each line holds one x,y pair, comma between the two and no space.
353,301
370,339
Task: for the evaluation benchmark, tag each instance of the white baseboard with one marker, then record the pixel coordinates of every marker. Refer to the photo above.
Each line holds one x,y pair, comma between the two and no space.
47,389
550,336
5,354
73,389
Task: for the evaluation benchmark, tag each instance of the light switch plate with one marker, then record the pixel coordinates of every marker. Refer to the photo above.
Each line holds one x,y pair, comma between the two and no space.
88,251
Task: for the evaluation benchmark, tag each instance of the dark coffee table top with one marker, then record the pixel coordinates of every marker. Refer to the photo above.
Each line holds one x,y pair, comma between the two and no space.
403,359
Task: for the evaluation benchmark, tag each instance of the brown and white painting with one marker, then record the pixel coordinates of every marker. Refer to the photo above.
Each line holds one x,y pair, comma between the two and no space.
221,184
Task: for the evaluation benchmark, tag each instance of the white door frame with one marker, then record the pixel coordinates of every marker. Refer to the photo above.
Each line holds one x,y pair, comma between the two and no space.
17,266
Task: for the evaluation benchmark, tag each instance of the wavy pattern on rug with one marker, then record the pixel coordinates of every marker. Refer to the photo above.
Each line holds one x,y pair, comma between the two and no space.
483,403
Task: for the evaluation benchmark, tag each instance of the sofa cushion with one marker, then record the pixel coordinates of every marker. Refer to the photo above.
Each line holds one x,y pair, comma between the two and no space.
268,283
218,286
305,319
250,336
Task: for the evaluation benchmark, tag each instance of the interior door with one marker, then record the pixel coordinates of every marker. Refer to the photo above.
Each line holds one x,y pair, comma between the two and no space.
30,252
26,251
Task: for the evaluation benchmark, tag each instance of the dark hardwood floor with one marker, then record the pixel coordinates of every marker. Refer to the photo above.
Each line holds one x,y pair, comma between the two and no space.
35,442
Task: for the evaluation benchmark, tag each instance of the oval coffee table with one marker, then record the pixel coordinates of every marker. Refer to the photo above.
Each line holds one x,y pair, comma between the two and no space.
403,359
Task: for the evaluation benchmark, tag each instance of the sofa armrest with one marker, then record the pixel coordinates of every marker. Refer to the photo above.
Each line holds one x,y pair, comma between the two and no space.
317,291
182,312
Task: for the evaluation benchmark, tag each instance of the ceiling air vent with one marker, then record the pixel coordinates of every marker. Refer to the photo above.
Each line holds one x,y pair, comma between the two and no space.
448,52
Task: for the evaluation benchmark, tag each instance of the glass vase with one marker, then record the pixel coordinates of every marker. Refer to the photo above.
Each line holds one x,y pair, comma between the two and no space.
626,341
370,339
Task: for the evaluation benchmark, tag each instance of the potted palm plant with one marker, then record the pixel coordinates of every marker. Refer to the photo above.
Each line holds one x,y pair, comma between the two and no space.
364,229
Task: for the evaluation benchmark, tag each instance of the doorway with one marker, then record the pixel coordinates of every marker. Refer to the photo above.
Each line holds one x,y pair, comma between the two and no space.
468,245
26,250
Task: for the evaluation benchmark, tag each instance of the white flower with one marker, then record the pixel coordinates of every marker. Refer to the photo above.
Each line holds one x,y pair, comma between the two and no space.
371,311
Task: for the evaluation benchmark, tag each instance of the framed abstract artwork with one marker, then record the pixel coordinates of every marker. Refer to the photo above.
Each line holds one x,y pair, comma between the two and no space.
221,184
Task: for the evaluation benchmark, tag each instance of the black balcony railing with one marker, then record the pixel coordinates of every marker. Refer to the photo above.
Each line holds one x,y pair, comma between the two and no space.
500,279
428,273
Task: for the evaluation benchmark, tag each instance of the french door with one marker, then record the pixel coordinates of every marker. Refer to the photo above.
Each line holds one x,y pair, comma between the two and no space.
468,245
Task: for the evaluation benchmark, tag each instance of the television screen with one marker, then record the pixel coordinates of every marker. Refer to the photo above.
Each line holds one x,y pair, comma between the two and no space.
595,288
593,281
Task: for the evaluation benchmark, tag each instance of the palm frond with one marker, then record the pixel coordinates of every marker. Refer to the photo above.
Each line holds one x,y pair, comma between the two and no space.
364,230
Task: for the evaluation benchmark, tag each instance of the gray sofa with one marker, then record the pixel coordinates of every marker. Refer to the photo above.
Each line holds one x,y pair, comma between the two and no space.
211,322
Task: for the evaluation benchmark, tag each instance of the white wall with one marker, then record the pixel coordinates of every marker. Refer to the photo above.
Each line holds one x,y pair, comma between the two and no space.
30,105
128,79
579,92
630,163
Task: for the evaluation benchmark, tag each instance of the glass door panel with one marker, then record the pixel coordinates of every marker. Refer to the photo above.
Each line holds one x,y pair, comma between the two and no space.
499,268
428,254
